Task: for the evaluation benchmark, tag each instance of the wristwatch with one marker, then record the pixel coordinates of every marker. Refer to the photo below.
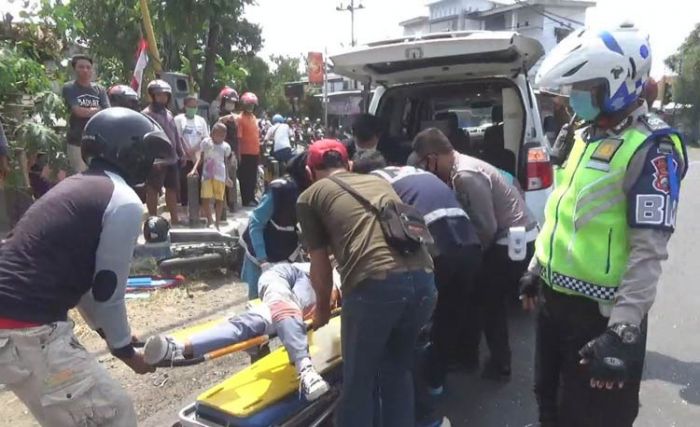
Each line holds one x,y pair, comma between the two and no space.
628,333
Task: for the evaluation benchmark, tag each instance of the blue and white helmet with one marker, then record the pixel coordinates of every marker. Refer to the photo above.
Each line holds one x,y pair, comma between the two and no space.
277,118
618,59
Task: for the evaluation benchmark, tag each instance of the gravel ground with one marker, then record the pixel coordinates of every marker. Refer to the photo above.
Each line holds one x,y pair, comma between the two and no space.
157,405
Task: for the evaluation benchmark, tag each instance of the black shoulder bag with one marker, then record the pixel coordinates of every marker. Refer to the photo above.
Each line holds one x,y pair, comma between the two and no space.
403,226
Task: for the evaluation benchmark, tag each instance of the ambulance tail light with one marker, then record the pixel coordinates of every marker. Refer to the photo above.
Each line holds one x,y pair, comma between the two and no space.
539,170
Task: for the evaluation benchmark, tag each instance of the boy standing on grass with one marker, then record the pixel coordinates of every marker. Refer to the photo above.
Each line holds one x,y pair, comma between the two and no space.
214,156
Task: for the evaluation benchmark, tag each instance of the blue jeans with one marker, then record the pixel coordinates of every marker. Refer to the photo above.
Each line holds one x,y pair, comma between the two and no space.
379,330
283,155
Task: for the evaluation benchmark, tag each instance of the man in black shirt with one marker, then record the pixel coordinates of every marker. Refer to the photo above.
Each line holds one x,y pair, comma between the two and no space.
84,99
72,249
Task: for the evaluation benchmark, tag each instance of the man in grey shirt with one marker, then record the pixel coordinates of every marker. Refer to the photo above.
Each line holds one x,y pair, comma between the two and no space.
507,233
84,99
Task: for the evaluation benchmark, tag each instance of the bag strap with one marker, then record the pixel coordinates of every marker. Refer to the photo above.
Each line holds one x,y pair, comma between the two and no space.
363,201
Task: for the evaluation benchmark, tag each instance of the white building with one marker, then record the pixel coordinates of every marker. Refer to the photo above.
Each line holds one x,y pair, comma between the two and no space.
416,26
545,20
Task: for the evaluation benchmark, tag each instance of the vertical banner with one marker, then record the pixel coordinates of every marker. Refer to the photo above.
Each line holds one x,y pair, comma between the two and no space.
141,63
315,68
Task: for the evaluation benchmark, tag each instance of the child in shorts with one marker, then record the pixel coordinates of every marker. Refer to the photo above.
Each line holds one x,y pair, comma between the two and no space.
214,157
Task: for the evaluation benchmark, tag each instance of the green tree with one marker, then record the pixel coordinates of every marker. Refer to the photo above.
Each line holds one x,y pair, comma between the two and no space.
31,51
213,36
286,70
257,80
111,29
20,73
686,87
207,40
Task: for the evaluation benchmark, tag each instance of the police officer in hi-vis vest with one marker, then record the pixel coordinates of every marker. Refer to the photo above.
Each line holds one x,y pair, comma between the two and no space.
607,225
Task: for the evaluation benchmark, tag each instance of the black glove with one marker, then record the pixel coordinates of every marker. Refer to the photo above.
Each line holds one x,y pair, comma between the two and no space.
612,355
529,285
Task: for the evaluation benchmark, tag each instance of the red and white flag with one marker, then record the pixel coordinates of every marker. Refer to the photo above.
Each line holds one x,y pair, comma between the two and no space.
141,63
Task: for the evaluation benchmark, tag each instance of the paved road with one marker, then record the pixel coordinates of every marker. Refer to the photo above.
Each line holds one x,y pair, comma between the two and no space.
671,389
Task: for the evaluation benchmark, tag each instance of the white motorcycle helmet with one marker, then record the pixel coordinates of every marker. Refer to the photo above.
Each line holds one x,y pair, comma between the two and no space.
612,64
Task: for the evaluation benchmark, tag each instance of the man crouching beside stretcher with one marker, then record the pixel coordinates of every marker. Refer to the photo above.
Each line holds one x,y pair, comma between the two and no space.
288,299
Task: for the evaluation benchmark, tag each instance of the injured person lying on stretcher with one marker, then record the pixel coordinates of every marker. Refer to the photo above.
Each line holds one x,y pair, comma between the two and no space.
287,299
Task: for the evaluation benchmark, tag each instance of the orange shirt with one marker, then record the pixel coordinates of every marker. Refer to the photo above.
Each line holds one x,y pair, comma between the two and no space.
248,134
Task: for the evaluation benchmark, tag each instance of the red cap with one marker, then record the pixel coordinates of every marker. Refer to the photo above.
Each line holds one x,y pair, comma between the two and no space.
319,148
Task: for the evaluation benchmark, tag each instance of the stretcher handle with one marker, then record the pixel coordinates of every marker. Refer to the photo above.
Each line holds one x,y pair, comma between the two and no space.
241,346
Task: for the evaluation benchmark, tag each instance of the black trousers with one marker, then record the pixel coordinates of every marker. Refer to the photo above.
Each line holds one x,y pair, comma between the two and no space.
455,275
564,396
248,177
184,170
488,314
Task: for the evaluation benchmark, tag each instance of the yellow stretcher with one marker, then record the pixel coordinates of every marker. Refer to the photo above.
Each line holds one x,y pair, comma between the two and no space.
255,394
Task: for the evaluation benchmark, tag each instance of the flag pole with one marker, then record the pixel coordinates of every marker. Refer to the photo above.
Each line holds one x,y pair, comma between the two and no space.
150,37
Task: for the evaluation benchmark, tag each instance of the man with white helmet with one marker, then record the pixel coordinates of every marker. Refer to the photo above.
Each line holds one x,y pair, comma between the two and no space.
607,226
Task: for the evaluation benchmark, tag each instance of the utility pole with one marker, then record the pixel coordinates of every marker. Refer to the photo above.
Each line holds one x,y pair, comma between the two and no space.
351,8
150,37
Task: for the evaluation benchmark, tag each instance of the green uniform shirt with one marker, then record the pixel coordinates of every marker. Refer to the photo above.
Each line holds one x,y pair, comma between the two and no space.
583,248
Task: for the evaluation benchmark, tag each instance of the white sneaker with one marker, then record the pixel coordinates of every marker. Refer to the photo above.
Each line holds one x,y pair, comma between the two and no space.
159,348
311,384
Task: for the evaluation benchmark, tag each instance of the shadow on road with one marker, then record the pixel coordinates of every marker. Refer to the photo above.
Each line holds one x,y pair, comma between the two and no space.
472,401
685,374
